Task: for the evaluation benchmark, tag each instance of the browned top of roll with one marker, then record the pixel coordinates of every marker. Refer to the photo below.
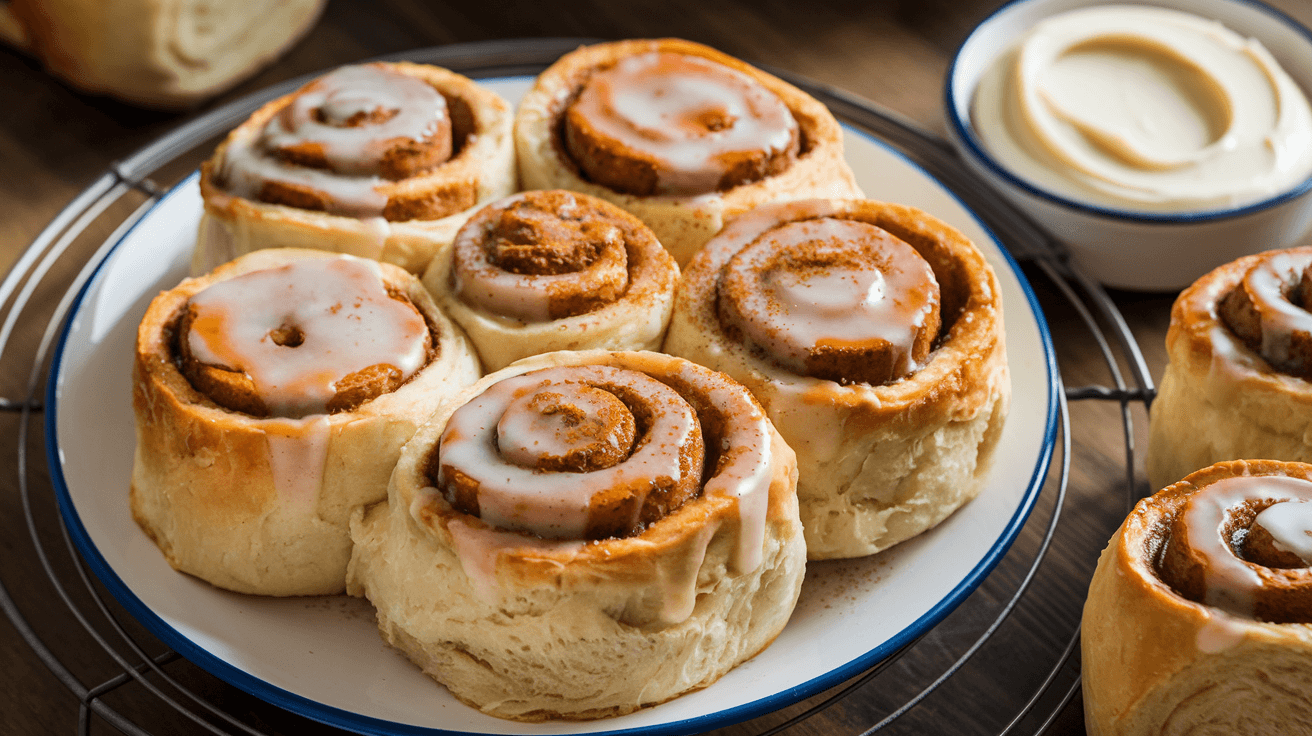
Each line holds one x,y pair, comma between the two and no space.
362,141
546,255
1222,539
1268,310
578,452
677,122
321,336
832,298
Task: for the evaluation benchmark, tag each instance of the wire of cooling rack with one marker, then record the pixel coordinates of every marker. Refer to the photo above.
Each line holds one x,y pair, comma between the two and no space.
137,660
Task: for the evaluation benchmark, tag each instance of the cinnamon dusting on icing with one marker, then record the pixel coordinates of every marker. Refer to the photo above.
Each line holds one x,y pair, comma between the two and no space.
1217,555
832,298
664,123
546,255
312,337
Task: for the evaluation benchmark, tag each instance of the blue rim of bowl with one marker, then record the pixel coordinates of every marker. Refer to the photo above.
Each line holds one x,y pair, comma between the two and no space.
964,135
352,721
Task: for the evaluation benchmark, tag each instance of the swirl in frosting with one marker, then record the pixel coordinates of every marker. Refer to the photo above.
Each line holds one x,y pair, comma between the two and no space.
672,124
831,298
588,452
312,337
1243,544
545,255
339,138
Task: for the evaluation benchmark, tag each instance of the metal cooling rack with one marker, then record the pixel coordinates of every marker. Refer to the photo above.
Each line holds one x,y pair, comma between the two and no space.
100,653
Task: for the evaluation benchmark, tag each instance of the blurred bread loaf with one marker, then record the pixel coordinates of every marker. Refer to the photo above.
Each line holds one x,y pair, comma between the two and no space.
158,53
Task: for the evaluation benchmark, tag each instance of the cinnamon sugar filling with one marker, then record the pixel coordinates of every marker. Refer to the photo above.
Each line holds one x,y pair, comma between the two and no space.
314,337
545,255
663,123
580,452
343,135
1269,312
1244,545
836,299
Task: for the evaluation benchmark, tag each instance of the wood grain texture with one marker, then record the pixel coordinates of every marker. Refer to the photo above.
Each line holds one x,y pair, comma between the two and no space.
55,141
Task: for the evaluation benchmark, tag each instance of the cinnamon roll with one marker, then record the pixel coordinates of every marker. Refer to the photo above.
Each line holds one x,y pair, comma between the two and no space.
272,398
1199,616
1240,358
679,134
381,160
555,270
584,534
872,334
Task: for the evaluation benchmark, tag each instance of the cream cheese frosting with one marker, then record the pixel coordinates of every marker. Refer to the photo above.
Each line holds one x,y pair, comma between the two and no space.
1145,108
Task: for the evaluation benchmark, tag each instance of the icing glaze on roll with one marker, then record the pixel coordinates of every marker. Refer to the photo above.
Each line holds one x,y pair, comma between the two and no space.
832,298
545,255
583,452
667,123
306,336
601,451
1268,311
1231,547
339,138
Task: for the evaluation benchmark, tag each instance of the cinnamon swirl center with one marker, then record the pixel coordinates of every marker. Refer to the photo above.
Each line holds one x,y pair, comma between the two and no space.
339,138
1269,312
545,255
580,452
312,337
667,123
1243,545
832,298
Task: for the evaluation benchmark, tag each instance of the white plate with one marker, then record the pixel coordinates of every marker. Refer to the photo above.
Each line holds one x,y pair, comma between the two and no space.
322,657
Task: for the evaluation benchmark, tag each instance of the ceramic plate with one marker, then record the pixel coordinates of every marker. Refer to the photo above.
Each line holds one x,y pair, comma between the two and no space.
323,658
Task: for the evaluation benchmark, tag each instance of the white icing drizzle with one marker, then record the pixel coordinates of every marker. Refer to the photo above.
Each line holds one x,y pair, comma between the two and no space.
555,504
679,584
871,287
1232,582
1268,284
478,550
317,115
657,103
1219,633
1290,524
744,468
342,309
298,449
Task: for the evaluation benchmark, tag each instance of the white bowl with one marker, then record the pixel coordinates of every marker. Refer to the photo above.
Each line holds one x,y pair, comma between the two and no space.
1144,251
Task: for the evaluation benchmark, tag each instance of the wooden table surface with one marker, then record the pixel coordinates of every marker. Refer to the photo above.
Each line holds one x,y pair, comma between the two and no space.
54,142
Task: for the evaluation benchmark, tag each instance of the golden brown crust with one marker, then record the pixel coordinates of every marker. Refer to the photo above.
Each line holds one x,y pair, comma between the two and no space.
682,223
1151,656
862,438
205,486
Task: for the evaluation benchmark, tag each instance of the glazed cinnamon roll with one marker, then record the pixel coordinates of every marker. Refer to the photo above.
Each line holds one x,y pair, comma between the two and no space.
584,534
381,160
1236,385
1199,616
555,270
272,398
679,134
872,335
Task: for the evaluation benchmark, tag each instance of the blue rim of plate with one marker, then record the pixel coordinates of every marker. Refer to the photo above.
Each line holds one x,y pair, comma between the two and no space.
333,716
964,134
